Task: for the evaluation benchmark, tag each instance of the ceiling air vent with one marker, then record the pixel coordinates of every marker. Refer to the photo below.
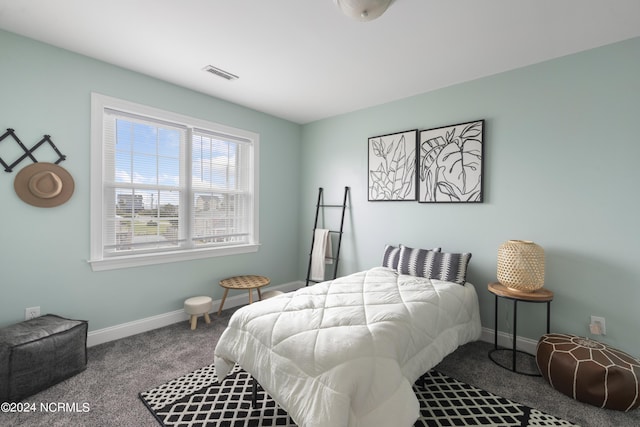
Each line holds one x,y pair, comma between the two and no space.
220,73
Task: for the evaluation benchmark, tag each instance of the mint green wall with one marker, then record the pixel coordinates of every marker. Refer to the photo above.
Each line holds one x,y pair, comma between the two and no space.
561,168
43,252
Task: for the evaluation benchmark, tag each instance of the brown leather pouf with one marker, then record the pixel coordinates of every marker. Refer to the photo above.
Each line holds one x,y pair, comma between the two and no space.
589,371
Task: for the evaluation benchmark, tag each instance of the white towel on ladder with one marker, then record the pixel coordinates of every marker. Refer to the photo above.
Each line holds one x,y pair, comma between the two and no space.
320,253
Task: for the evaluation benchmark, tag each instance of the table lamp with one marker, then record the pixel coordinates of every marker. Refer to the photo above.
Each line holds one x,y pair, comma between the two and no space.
521,265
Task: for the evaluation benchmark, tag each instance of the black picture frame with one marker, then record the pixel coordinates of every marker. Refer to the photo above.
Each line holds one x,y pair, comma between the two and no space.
392,167
451,164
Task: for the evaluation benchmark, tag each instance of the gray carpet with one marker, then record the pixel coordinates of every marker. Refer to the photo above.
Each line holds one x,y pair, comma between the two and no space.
117,371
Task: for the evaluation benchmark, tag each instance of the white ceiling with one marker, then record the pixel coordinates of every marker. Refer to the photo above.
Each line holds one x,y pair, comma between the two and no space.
303,60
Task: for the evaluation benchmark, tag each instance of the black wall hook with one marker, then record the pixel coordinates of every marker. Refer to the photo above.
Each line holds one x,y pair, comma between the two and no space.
28,152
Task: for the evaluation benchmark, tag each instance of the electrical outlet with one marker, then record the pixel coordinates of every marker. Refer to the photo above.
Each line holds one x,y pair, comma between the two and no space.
597,326
31,313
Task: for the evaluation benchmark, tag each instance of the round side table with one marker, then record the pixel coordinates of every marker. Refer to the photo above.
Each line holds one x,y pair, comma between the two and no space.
538,296
249,282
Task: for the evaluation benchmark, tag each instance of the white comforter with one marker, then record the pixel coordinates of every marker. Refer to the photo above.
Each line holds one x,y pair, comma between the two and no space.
346,352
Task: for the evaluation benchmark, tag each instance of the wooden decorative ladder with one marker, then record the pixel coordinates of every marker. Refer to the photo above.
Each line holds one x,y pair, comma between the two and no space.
320,204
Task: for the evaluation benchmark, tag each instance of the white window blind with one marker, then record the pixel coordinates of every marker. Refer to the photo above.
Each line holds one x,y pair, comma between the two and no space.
168,184
221,190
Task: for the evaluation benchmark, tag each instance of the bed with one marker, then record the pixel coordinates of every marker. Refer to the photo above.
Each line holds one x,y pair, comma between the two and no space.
346,352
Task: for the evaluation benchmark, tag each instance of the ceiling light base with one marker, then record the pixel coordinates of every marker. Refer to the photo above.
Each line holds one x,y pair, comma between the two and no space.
363,10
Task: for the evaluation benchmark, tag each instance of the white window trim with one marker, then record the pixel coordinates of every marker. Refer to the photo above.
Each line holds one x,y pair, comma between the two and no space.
99,263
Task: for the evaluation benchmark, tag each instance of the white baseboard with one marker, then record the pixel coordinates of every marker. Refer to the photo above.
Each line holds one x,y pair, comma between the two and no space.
123,330
506,340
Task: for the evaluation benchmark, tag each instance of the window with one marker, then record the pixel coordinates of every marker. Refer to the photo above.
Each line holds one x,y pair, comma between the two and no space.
166,187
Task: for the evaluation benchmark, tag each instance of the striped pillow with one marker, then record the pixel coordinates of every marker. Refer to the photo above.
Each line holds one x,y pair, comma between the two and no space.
391,257
450,267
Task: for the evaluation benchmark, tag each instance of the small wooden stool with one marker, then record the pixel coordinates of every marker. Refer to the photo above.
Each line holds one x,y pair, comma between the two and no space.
249,282
195,306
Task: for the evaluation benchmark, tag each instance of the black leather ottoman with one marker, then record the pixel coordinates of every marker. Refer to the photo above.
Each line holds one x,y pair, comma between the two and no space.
38,353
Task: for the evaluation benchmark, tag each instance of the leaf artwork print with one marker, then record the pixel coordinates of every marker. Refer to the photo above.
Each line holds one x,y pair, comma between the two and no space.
392,164
450,167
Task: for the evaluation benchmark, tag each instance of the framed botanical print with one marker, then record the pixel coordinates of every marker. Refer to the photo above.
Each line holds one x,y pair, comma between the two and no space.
392,166
450,164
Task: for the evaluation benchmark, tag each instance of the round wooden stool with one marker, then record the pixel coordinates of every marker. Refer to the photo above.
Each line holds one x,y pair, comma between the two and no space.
249,282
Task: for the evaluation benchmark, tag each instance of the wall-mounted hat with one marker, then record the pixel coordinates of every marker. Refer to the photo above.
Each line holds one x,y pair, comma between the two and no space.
44,185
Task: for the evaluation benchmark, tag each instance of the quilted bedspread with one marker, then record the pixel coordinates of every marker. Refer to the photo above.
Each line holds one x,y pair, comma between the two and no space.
346,352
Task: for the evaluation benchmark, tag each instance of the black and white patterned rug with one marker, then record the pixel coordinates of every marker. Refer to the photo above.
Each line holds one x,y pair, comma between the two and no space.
197,400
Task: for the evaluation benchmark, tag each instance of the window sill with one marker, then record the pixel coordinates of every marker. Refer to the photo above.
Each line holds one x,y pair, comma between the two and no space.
163,258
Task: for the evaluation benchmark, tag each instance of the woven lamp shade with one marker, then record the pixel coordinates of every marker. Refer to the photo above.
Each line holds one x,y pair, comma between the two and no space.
521,265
